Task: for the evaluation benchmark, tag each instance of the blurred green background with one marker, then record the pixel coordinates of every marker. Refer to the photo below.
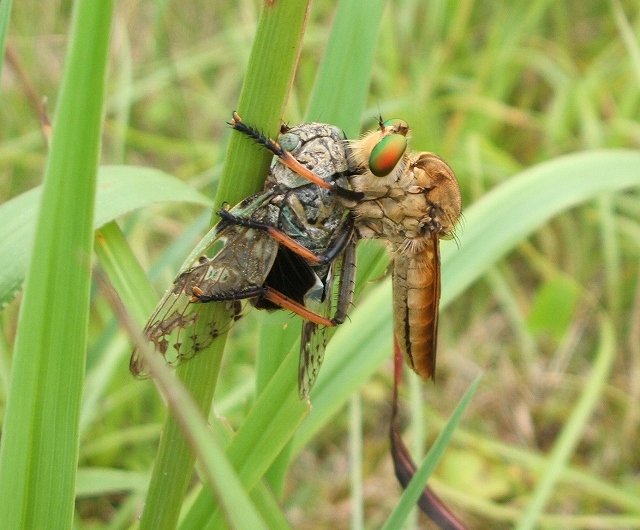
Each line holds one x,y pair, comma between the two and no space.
494,88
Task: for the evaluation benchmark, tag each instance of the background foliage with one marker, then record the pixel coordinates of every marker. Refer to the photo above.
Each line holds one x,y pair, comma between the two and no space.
493,87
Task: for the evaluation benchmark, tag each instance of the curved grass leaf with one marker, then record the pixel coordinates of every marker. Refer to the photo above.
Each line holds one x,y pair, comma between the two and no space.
514,210
120,190
262,100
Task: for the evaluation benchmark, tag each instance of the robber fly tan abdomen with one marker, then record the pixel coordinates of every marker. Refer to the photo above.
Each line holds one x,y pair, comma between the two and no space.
410,202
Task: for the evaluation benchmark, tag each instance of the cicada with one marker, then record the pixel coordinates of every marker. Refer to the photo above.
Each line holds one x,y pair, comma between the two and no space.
280,248
411,201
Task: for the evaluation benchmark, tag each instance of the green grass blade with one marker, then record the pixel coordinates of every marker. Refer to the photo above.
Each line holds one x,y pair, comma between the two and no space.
264,94
340,92
514,210
124,272
628,36
268,428
239,510
339,98
218,470
125,275
39,450
96,481
199,515
574,427
270,424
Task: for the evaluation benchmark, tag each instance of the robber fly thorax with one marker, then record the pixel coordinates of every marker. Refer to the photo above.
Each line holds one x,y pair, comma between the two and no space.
279,248
411,200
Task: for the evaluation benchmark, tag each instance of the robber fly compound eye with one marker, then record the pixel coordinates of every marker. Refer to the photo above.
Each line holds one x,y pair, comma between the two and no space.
386,155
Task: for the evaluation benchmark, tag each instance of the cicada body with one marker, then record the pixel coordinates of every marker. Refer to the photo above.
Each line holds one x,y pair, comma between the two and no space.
279,248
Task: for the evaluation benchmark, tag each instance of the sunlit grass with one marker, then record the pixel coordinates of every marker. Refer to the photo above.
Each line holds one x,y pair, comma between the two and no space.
493,88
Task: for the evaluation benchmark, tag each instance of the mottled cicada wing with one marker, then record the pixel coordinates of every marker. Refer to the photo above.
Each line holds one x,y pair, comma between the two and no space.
313,340
236,272
314,337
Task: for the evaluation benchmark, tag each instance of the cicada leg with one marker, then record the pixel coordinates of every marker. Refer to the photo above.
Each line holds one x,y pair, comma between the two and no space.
289,160
342,243
267,293
335,248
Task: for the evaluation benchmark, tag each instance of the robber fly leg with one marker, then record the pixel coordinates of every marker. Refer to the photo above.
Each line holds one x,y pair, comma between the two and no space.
347,285
289,160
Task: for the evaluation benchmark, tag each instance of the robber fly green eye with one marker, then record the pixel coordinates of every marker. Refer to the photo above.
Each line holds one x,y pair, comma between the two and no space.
386,155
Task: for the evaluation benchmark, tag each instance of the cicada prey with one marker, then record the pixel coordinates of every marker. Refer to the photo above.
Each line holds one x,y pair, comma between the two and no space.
279,248
411,201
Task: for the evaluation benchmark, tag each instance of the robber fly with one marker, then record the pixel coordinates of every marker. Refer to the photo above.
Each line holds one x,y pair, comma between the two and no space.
411,200
280,248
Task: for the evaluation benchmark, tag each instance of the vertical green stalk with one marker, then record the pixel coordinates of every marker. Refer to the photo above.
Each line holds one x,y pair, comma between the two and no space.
280,395
38,457
5,12
271,67
339,97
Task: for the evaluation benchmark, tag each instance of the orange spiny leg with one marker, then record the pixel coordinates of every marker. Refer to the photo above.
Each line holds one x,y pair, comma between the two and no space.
287,303
276,297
